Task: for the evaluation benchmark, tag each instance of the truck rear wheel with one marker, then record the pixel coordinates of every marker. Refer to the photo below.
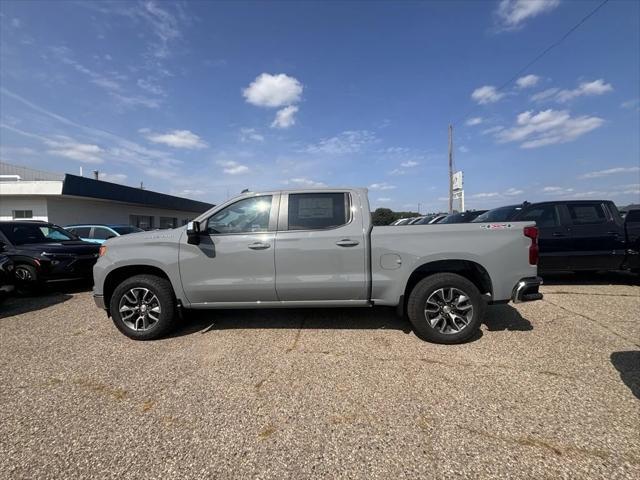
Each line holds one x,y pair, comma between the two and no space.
445,308
143,307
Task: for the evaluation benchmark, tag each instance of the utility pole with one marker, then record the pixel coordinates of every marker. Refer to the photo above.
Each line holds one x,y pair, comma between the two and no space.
419,208
450,168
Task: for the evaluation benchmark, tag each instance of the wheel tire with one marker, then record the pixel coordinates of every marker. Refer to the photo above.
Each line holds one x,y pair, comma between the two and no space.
27,278
423,291
158,288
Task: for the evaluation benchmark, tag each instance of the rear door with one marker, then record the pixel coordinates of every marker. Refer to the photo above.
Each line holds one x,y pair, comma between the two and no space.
597,239
554,238
320,248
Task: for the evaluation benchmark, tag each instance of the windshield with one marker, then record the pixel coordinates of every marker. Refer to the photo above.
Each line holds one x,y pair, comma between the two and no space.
501,214
126,230
23,233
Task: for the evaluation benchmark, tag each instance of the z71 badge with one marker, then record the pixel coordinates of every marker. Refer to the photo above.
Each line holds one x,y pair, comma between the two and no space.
496,226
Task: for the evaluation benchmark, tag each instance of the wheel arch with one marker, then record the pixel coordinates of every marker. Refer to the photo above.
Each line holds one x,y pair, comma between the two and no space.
472,271
118,275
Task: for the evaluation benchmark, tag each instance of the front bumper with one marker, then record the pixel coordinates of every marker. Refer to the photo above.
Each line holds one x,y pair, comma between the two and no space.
99,299
526,290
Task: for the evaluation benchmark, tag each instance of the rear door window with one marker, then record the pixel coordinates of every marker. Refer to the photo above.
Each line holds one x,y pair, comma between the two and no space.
318,211
587,214
101,233
544,216
80,231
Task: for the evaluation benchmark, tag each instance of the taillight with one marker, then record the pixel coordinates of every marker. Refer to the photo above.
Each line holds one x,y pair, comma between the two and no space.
532,233
102,251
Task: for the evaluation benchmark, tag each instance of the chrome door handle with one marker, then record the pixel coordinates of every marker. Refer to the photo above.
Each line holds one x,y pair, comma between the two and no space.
345,242
259,246
558,234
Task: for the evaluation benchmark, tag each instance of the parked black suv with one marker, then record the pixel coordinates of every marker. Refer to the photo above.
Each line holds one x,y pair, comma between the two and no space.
44,252
578,235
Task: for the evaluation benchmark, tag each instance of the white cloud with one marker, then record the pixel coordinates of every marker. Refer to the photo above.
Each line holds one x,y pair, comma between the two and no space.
486,94
176,139
285,117
527,81
188,192
16,23
473,121
381,186
348,142
485,195
511,14
384,199
463,149
150,87
231,167
397,171
629,104
513,192
304,182
547,127
249,134
68,148
554,190
545,94
610,171
597,87
409,164
491,130
273,90
119,150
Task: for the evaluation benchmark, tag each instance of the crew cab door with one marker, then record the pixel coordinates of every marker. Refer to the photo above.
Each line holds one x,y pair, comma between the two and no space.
597,238
554,239
234,261
320,248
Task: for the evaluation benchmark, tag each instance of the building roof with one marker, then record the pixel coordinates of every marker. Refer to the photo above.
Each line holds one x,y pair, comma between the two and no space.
88,187
17,180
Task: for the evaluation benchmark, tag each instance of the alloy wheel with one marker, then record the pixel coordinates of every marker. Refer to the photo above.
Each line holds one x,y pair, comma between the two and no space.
448,310
139,309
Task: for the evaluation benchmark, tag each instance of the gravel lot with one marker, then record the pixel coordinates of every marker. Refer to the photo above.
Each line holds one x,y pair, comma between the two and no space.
549,390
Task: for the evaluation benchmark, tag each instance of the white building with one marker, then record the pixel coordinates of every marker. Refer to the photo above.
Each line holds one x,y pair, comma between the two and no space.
71,199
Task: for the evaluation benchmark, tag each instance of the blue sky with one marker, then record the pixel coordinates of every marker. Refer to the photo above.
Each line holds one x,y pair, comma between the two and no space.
204,99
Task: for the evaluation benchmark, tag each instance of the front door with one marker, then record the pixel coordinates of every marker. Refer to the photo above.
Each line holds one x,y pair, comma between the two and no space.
321,251
554,239
234,261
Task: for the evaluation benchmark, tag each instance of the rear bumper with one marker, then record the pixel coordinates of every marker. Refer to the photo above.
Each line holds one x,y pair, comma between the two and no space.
526,290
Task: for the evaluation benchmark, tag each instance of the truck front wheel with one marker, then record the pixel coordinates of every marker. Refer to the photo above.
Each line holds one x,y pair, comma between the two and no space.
143,307
445,308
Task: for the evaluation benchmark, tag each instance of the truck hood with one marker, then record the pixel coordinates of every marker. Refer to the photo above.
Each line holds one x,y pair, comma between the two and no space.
146,238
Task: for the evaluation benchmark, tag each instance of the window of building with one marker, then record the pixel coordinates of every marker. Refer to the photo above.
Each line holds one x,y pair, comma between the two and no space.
144,222
243,216
168,222
18,214
544,216
313,211
587,214
185,221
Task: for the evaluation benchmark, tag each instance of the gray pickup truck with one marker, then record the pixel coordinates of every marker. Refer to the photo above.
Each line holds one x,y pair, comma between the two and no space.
316,248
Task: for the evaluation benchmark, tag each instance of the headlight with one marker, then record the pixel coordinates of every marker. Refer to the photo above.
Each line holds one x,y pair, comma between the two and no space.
103,251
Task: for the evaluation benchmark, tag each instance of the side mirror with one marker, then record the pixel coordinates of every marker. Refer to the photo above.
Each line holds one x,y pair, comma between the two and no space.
193,233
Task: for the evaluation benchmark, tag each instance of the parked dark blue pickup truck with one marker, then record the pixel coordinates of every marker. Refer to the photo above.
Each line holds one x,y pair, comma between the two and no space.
578,235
